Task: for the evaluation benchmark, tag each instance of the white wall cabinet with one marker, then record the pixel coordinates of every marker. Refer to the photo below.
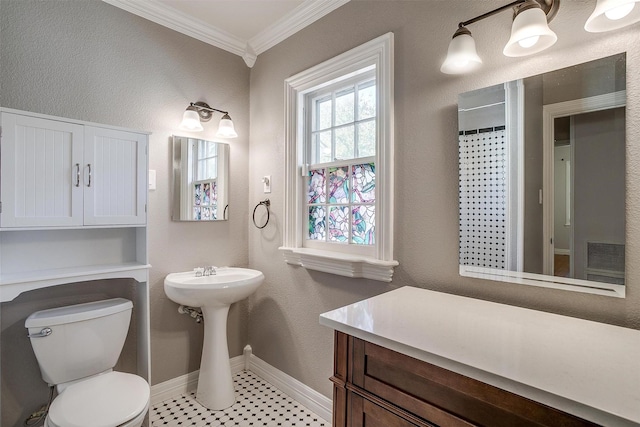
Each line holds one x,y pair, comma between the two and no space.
74,198
63,174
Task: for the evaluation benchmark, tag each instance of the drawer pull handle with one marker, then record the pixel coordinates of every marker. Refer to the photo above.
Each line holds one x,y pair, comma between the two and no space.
89,166
77,174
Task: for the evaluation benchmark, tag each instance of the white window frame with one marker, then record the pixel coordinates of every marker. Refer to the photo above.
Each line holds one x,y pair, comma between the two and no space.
378,54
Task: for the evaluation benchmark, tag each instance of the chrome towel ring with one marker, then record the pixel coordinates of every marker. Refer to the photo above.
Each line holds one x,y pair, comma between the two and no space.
266,204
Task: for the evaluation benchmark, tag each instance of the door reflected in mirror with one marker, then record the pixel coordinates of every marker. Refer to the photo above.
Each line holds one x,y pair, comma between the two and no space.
200,180
542,179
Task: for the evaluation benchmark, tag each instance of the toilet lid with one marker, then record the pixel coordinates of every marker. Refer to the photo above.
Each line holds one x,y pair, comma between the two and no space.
106,400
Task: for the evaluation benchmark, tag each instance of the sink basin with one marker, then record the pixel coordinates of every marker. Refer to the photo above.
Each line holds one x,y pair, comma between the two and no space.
214,294
228,285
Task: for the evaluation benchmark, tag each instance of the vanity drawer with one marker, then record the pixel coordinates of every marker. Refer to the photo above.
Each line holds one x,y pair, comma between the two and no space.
443,397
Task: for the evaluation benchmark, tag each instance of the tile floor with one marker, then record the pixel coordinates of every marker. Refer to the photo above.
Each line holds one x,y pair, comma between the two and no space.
258,403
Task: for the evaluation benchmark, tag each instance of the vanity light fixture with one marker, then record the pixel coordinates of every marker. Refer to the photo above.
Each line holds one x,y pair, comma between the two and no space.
198,112
530,34
613,14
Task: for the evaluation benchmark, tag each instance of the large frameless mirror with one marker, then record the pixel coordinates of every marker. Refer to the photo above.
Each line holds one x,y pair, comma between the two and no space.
200,180
542,179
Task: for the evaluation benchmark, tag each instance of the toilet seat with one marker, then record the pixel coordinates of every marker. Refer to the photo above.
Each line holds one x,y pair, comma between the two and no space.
107,400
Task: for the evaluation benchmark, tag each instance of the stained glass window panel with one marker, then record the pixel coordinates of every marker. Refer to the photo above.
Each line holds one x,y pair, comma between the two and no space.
339,223
367,138
206,194
364,221
197,194
364,183
214,192
345,108
317,223
345,142
196,213
338,185
206,213
316,192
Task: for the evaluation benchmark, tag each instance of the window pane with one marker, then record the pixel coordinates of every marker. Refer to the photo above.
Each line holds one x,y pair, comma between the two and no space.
339,223
321,147
197,194
214,193
345,143
316,191
317,223
211,148
323,114
345,107
364,183
211,169
206,194
202,149
206,213
364,223
367,139
196,213
367,102
338,185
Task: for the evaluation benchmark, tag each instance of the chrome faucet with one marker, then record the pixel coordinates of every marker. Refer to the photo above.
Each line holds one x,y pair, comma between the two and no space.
210,271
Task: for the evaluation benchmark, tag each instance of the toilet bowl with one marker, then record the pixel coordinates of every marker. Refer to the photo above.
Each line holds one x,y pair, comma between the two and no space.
106,400
76,348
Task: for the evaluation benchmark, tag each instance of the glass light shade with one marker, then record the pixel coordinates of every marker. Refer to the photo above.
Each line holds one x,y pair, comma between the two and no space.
530,33
613,14
191,121
461,56
225,128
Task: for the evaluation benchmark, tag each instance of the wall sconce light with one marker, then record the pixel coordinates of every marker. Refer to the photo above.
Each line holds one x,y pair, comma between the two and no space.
530,33
198,112
613,14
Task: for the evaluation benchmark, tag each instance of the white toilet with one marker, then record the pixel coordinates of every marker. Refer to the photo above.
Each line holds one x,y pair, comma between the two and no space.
77,347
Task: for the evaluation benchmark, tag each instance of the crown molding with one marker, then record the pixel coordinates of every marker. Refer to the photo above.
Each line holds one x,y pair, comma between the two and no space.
183,23
302,16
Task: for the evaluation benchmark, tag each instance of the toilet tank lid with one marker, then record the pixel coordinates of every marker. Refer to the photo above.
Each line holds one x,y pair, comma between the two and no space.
77,312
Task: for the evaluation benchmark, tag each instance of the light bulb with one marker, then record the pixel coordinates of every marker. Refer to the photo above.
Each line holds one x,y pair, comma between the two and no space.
620,11
529,41
462,63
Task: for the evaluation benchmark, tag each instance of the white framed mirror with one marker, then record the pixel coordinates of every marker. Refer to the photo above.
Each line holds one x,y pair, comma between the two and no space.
200,180
542,179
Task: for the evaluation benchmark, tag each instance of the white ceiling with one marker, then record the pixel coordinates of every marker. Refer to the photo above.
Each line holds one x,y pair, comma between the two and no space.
243,27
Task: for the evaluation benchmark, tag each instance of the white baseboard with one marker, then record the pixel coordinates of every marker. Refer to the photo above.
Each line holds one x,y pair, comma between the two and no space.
186,383
303,394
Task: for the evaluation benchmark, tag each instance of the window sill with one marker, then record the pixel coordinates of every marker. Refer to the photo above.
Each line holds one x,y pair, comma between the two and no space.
340,264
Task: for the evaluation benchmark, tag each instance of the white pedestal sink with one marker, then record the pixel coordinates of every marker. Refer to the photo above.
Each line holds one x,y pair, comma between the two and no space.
214,294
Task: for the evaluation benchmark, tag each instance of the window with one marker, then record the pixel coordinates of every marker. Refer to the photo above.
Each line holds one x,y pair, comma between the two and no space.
204,195
339,187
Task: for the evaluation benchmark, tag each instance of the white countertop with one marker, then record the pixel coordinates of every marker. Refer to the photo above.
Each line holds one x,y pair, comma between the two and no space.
585,368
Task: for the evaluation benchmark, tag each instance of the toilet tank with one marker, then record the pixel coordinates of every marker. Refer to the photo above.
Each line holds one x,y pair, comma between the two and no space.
84,339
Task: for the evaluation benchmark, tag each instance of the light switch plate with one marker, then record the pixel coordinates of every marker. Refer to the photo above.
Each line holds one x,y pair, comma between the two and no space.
266,183
152,179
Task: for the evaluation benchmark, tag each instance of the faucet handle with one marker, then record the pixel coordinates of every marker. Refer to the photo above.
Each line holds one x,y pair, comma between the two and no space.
199,271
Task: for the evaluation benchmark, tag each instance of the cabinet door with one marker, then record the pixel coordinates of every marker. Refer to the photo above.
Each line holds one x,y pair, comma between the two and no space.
115,177
40,172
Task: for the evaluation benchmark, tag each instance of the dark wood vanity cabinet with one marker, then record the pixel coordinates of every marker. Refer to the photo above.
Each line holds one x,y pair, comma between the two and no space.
378,387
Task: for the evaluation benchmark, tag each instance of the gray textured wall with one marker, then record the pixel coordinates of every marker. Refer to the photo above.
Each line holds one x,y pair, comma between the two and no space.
90,61
87,60
283,324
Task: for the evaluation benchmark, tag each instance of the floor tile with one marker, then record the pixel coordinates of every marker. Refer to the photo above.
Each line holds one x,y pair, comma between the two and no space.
258,404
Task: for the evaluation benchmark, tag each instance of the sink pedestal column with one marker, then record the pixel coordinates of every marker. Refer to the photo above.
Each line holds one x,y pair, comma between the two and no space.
215,385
